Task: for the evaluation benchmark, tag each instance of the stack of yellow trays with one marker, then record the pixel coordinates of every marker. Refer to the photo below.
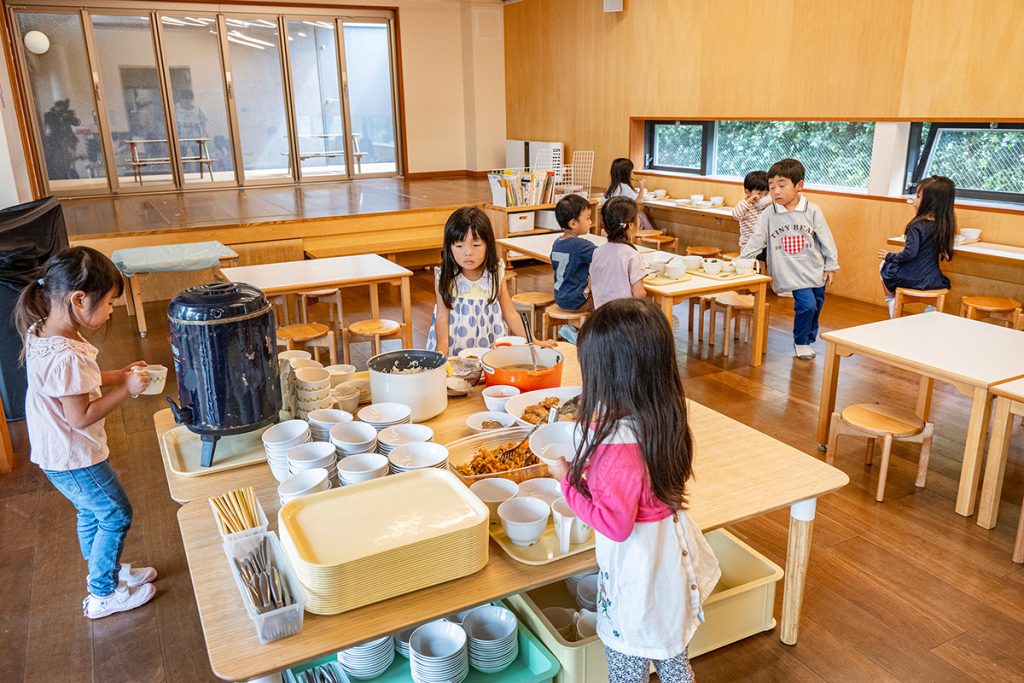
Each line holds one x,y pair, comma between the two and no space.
361,544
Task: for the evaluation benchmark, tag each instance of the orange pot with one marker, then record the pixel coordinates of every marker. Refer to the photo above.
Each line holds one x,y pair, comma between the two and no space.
502,366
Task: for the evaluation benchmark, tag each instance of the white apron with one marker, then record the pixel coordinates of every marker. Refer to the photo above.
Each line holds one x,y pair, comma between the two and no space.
652,587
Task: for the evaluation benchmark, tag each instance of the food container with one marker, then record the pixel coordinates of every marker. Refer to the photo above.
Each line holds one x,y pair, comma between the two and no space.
511,365
461,451
426,391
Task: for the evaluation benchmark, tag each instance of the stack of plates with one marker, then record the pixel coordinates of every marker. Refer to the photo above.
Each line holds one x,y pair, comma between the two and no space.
493,634
586,593
418,456
356,469
350,438
573,581
312,455
402,640
304,483
368,660
391,437
280,439
438,653
384,415
321,421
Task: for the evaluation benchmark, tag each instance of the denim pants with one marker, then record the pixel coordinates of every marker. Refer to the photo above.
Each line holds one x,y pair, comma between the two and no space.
104,517
807,305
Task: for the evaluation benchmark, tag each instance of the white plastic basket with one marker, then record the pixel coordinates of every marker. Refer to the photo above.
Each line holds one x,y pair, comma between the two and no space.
282,622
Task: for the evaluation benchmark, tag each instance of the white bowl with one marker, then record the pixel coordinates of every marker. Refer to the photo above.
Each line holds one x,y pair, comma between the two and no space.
555,440
587,625
308,407
341,373
703,205
311,452
490,622
416,456
437,640
586,592
970,233
312,395
325,418
459,617
657,194
475,353
524,519
299,363
547,489
286,434
493,492
303,482
295,354
311,379
398,435
476,420
696,198
353,437
712,266
496,395
362,467
360,385
717,201
385,413
508,341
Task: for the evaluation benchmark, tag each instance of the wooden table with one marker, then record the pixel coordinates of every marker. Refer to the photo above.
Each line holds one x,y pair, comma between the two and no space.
1009,398
739,473
969,354
539,247
295,277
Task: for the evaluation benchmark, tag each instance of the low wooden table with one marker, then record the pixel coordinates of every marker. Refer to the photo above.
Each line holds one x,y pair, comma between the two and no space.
294,277
970,355
1009,398
739,473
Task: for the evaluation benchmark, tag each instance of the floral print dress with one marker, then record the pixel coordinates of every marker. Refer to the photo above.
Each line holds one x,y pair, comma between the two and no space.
474,320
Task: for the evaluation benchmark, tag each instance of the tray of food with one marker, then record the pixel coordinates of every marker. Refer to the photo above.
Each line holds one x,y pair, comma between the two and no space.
477,457
724,274
664,281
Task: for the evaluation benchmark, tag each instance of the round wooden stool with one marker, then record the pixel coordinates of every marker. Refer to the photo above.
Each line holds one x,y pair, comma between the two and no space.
730,255
660,242
704,252
928,297
313,335
534,303
874,420
997,308
738,308
555,317
376,329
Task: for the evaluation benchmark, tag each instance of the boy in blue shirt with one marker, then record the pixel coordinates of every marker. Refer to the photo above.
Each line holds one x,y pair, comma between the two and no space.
571,254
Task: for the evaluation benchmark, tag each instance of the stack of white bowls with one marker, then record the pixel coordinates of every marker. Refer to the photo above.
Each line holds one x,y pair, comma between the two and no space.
350,438
321,421
368,660
355,469
586,593
280,439
304,483
418,456
573,581
493,634
438,653
312,455
402,640
312,391
384,415
392,437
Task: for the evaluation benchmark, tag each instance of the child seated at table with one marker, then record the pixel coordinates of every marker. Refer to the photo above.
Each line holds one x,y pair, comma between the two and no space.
621,186
571,254
617,270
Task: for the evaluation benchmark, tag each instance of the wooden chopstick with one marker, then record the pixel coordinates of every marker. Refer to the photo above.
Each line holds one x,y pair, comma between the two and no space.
236,510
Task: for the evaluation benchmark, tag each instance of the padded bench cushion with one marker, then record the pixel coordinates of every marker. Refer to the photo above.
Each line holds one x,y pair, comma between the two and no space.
171,258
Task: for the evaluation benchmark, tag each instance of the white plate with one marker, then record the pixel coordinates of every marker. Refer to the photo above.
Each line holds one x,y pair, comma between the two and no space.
518,403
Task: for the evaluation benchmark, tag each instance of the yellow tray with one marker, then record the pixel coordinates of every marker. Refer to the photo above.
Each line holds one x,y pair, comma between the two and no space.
720,276
183,451
544,551
656,281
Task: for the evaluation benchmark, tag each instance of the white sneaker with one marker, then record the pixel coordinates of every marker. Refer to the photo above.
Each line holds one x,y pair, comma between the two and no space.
122,599
803,351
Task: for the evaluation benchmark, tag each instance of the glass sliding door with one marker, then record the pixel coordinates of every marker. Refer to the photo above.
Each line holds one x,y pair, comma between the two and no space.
259,98
133,98
53,50
316,96
191,52
371,104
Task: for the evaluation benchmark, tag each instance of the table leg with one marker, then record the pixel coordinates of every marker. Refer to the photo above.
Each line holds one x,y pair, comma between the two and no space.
129,302
759,324
665,303
976,430
798,552
827,402
6,448
995,468
140,313
374,302
406,313
924,398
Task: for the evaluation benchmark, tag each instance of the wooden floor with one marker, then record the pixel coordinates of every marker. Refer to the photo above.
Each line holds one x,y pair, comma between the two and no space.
901,591
133,213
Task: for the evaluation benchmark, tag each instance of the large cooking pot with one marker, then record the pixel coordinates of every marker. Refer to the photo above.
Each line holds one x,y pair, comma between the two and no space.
425,391
511,365
225,355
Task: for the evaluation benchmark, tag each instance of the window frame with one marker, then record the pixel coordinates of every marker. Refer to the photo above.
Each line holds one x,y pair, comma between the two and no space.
917,163
706,147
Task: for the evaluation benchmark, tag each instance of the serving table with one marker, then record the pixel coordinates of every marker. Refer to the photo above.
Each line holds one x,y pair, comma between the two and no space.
739,473
969,354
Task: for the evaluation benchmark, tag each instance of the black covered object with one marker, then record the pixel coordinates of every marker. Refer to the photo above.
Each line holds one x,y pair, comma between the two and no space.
29,235
224,342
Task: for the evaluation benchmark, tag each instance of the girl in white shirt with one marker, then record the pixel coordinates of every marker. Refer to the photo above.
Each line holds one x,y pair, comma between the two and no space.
620,186
65,411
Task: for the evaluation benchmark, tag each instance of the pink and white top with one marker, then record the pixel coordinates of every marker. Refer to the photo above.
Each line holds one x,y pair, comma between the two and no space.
58,367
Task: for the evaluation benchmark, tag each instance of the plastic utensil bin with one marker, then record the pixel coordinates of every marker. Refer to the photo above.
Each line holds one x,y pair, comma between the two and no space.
282,622
259,530
740,606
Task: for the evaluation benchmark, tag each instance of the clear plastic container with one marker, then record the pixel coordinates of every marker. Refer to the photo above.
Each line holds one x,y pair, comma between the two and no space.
461,451
278,623
259,530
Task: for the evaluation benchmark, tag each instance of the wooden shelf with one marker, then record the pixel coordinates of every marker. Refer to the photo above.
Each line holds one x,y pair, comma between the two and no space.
538,231
522,209
988,251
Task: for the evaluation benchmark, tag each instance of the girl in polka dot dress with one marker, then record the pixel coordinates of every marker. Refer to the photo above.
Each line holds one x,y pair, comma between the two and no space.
473,304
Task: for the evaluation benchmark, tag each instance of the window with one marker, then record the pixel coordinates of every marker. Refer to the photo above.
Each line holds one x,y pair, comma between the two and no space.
681,146
986,161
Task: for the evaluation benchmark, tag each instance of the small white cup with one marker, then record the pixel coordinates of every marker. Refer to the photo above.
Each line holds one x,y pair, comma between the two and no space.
569,528
157,377
693,262
745,266
586,626
341,373
712,266
562,619
497,395
696,198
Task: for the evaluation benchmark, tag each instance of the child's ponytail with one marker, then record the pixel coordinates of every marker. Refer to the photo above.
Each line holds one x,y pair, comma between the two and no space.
33,305
617,214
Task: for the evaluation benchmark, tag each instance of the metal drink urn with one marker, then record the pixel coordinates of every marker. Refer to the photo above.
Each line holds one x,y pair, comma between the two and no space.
225,355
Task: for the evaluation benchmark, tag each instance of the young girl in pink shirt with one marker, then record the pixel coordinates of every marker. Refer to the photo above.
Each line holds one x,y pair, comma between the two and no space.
628,482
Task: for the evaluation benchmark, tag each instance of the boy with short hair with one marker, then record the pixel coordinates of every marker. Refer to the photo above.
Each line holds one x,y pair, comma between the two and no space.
755,201
571,254
802,254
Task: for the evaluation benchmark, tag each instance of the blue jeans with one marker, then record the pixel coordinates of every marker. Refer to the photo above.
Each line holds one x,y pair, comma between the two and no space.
104,517
807,305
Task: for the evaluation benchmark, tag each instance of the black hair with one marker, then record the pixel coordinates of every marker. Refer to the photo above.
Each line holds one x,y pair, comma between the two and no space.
71,270
787,168
462,222
938,193
621,172
569,208
617,214
756,180
642,385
